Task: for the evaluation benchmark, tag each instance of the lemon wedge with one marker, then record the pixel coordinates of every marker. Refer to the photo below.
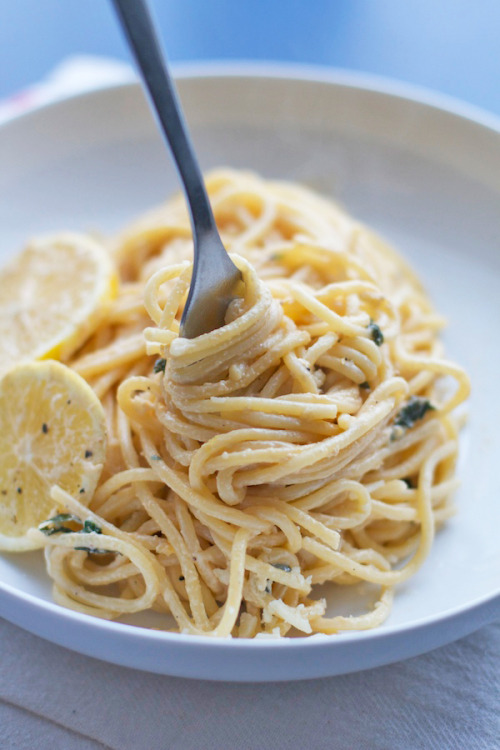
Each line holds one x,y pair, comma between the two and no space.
52,431
52,296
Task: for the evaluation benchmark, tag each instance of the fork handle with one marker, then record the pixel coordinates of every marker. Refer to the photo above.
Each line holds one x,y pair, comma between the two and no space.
139,30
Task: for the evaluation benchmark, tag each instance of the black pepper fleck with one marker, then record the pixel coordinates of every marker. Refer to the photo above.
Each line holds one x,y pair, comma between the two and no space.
45,428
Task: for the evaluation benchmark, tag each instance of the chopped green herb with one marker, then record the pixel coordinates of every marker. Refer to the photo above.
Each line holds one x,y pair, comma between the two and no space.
159,365
365,385
415,409
376,333
282,566
55,525
19,490
89,526
155,457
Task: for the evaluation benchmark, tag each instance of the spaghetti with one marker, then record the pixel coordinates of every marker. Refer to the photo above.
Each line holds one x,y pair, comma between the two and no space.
307,441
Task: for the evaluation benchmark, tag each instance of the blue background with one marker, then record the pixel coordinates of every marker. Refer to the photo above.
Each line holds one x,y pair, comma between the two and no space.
446,45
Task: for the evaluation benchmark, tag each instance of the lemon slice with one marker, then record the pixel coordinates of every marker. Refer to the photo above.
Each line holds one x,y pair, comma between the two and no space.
51,297
52,431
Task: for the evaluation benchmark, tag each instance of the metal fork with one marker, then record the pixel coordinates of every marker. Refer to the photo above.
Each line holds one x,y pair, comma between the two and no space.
215,276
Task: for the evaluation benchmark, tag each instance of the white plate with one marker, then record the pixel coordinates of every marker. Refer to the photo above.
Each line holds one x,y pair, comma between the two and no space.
423,171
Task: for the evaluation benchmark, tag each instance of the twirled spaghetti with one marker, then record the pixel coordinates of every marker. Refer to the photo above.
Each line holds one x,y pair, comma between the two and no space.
306,441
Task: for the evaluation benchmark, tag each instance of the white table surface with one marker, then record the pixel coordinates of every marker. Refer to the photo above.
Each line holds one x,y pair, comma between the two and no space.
53,698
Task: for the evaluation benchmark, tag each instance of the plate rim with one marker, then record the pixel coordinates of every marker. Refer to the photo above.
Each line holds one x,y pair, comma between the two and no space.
342,77
482,610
